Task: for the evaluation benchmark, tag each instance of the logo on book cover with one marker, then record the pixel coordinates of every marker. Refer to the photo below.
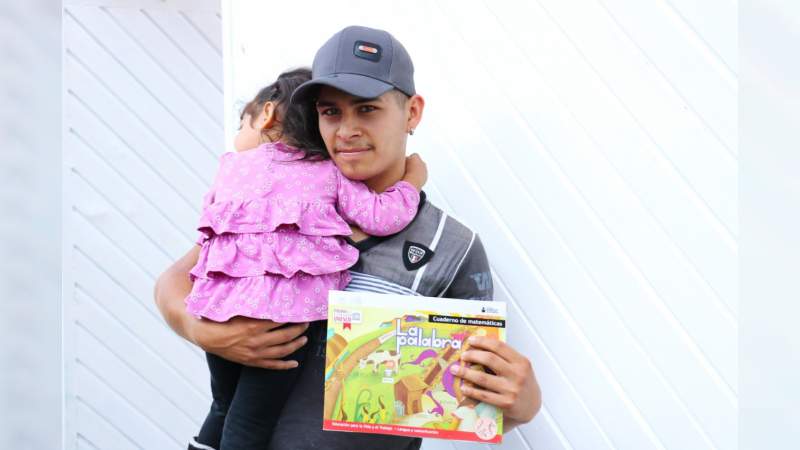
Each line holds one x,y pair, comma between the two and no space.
486,428
346,317
490,310
415,255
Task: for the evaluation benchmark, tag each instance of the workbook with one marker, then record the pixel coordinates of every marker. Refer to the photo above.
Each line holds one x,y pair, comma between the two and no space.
388,360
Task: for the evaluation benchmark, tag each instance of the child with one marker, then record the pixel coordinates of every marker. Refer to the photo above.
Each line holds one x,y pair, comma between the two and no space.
272,247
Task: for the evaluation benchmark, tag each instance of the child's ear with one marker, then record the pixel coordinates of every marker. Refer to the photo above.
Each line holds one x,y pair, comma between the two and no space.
270,115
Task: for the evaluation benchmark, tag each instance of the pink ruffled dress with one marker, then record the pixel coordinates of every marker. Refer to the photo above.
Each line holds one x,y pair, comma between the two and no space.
271,234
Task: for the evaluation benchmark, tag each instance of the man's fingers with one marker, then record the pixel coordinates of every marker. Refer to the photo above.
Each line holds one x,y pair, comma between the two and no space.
289,331
495,346
501,401
267,325
480,378
487,359
282,350
280,335
277,364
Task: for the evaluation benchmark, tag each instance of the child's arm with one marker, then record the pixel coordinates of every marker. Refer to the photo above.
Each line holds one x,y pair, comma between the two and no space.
171,288
416,171
386,213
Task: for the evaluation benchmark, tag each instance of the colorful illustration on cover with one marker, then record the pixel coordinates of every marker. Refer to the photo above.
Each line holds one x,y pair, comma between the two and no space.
388,369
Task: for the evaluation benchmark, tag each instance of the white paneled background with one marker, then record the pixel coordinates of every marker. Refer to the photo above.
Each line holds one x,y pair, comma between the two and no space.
591,143
30,167
142,127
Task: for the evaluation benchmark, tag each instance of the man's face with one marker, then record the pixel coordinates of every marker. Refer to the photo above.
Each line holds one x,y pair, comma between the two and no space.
366,138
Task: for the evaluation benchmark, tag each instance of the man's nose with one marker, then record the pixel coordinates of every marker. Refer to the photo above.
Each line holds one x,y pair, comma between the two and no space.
348,128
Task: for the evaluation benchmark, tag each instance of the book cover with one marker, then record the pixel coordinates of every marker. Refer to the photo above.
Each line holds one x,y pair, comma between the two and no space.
387,366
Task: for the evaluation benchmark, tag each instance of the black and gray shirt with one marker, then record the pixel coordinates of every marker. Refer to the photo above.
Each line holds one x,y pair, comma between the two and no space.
435,256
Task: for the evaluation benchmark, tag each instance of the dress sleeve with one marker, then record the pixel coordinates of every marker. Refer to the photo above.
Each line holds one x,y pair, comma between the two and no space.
376,214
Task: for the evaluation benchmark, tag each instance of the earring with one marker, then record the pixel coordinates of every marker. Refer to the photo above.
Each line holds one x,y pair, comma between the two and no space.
411,132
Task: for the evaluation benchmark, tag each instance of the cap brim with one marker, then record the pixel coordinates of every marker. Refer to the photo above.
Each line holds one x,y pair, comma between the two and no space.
353,84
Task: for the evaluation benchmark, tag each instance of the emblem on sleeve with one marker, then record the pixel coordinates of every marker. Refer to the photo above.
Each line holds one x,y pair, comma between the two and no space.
483,280
415,255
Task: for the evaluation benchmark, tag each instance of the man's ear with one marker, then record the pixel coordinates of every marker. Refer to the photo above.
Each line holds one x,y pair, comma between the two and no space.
415,106
270,116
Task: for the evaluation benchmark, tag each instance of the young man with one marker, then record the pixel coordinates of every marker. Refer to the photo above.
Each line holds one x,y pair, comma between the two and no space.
367,106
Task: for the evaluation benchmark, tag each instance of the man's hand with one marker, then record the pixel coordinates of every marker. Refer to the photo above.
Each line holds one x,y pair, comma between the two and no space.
251,342
513,387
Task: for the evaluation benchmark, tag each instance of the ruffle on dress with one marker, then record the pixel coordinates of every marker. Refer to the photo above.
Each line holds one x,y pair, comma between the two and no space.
265,215
299,299
283,252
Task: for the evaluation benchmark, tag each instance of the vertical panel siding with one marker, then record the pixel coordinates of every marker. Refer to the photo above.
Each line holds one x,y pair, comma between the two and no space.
142,131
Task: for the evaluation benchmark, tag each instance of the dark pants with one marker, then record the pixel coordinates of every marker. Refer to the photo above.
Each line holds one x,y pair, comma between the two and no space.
247,402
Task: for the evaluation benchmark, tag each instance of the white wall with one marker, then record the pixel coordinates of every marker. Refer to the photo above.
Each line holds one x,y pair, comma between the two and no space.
593,146
30,363
769,338
142,96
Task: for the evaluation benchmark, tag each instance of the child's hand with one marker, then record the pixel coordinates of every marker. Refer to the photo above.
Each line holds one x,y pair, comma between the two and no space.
416,171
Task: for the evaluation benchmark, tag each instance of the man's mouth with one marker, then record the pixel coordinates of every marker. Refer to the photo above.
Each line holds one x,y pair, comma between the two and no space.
351,151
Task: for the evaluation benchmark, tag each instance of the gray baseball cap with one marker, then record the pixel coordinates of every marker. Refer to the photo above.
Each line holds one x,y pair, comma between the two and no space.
361,61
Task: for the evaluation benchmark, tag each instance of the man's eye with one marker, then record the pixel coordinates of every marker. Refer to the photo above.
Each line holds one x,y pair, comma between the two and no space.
329,112
366,108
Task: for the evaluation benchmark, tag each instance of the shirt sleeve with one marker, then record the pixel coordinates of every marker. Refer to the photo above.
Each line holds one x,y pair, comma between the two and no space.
473,277
376,214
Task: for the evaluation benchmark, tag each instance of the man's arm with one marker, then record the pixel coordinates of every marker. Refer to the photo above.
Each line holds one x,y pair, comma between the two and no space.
473,278
172,285
513,387
247,341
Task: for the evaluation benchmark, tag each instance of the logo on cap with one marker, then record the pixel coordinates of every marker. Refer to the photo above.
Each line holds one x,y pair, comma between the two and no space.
367,50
